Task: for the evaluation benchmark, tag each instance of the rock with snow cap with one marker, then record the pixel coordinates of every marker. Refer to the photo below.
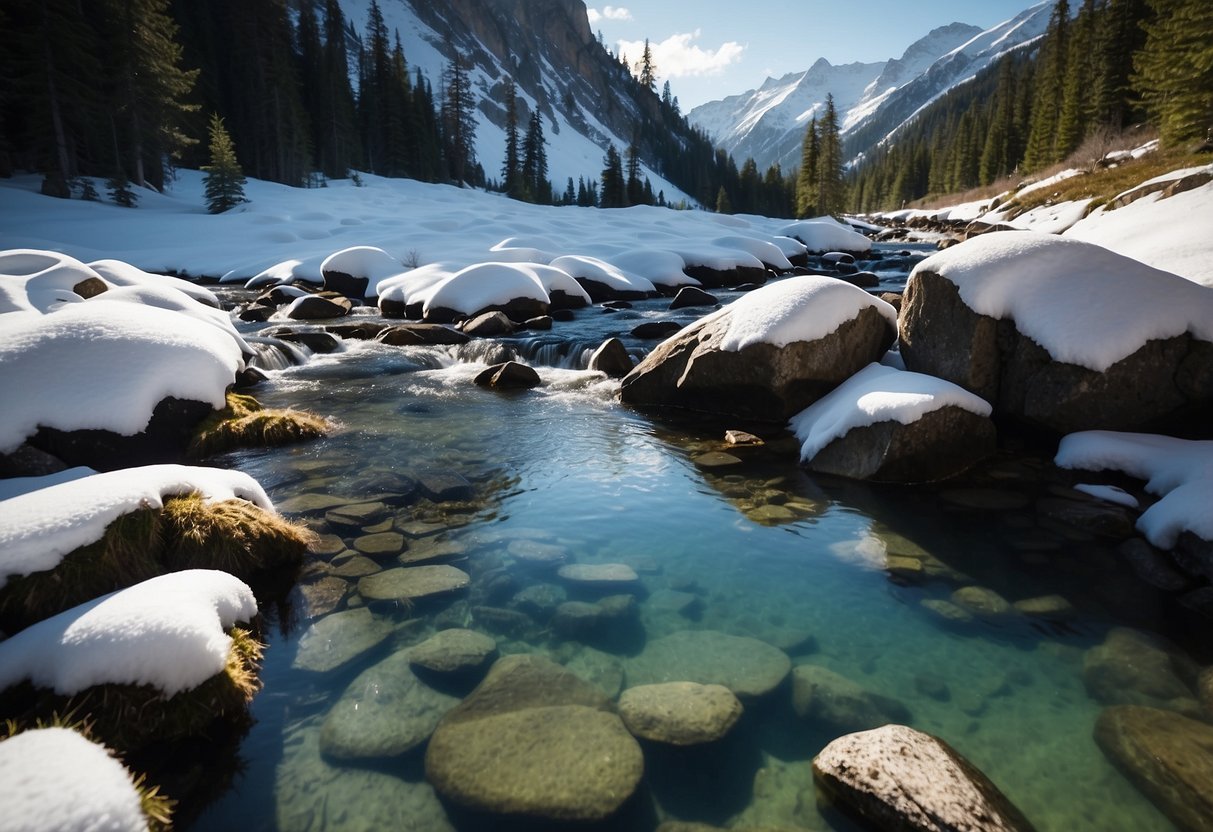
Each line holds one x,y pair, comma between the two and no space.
767,355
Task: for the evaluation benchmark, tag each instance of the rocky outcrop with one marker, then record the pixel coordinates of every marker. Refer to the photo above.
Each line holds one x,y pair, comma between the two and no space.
1167,756
535,741
759,381
939,445
1164,382
897,778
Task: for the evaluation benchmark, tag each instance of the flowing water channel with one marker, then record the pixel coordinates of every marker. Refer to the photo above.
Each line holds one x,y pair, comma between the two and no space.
759,549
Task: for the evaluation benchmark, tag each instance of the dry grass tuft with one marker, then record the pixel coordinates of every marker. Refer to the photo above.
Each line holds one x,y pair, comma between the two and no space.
244,423
234,536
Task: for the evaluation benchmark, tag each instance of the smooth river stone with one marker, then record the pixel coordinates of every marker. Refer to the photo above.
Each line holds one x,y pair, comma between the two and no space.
433,551
380,545
982,602
310,503
338,639
357,515
322,597
353,566
679,713
596,574
746,666
412,583
453,651
896,778
385,712
326,545
1168,757
824,697
537,553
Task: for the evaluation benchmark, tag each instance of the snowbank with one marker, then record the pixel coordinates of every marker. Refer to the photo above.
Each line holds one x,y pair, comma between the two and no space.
877,393
661,268
1084,304
33,280
472,289
106,366
1180,470
556,280
169,632
591,268
796,309
117,273
39,527
413,286
16,486
823,234
54,780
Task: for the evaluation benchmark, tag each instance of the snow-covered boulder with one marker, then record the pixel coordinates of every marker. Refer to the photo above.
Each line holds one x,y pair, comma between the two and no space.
604,281
727,261
165,649
664,269
511,288
404,295
564,292
351,271
1062,335
33,280
118,273
55,780
889,425
769,354
822,234
111,384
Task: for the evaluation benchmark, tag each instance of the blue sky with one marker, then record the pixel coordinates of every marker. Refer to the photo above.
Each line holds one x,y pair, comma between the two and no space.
709,49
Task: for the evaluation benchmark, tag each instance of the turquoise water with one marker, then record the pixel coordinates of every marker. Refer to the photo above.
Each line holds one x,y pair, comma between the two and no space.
767,551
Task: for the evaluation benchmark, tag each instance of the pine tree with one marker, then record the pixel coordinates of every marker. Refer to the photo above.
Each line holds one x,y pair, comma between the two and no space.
150,86
723,204
1174,70
1120,36
1077,106
334,116
1049,87
806,181
224,179
118,187
570,193
831,188
613,186
459,120
648,71
634,187
535,162
511,173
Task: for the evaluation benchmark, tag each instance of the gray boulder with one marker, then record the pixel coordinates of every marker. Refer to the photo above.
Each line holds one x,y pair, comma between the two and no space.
509,375
896,778
759,381
612,358
314,307
1167,381
679,713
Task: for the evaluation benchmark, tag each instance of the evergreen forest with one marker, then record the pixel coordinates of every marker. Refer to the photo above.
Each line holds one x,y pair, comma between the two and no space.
127,89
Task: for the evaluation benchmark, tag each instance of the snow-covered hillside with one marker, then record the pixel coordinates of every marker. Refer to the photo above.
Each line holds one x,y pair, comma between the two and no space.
534,43
872,100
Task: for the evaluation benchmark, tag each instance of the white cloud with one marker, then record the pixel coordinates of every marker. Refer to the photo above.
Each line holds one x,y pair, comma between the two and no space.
609,13
679,56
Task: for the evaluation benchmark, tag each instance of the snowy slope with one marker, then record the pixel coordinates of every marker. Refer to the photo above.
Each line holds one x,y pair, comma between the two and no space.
872,100
573,123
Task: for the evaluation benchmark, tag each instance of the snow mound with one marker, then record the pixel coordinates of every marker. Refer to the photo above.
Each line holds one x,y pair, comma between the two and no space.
106,366
370,262
823,234
1180,470
556,280
97,795
584,267
39,527
169,632
16,486
1083,303
472,289
796,309
721,258
661,268
415,285
765,251
117,273
1108,493
32,280
877,393
288,271
174,300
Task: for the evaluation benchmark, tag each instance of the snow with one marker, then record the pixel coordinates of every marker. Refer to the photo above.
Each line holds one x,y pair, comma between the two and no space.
170,298
1180,471
117,273
168,632
1082,303
39,527
1170,234
796,309
765,251
1046,219
1108,493
877,393
1050,181
32,280
415,285
98,796
592,268
556,280
107,366
15,486
825,234
486,284
363,261
661,268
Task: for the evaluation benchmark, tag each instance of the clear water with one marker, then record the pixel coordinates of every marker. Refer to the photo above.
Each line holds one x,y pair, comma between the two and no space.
567,465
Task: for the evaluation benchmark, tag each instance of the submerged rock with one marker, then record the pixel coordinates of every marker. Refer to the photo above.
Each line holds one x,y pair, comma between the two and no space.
830,699
598,574
413,583
533,740
1168,757
454,651
1136,668
385,712
679,713
897,778
746,666
338,639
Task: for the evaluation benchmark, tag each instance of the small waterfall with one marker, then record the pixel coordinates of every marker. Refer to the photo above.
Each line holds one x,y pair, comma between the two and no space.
276,354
